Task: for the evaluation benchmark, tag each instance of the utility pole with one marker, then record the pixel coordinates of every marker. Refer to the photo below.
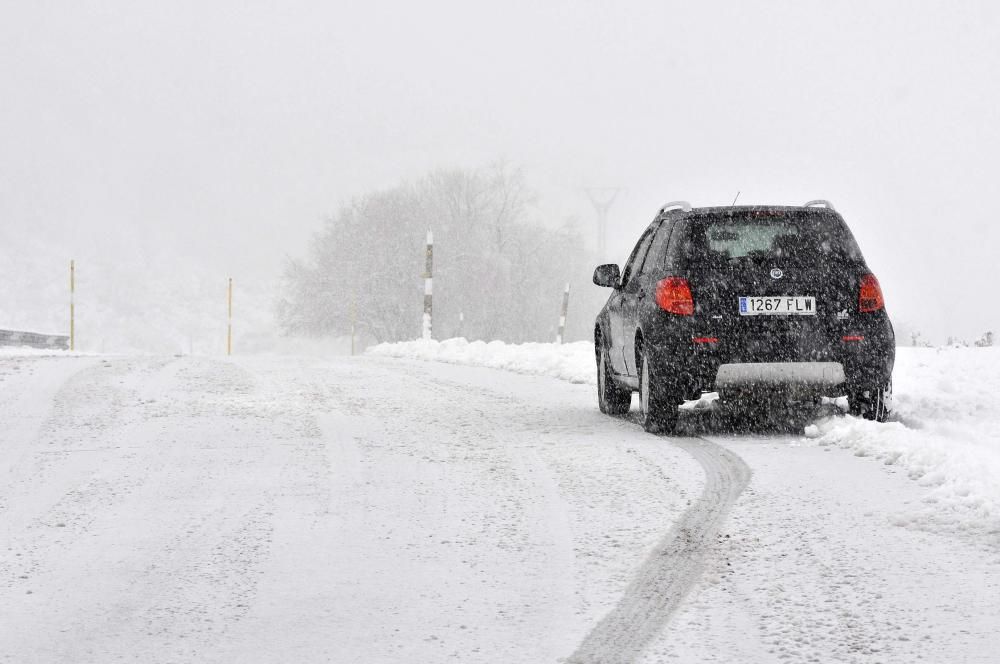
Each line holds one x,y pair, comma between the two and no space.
429,288
602,198
72,305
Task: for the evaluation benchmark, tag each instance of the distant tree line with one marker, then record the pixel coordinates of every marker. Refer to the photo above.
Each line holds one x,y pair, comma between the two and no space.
495,264
985,341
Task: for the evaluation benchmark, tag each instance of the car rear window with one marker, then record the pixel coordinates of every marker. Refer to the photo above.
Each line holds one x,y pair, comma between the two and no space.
768,236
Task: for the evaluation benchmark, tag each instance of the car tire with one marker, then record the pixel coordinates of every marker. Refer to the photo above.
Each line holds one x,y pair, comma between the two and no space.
871,403
658,397
612,398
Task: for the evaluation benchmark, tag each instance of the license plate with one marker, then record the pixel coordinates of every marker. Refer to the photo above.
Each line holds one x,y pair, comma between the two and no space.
772,305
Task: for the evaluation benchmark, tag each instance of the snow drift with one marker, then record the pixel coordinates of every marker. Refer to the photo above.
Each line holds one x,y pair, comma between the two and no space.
944,431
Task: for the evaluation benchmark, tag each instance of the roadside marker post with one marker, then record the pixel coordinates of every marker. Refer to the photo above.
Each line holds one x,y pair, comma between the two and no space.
429,288
562,316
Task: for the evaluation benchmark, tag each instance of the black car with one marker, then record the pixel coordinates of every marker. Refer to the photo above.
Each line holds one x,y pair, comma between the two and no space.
746,301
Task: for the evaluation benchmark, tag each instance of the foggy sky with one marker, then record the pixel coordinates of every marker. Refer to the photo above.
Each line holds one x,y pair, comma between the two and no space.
229,130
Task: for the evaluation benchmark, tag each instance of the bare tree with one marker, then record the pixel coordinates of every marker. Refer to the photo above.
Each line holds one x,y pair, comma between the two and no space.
495,264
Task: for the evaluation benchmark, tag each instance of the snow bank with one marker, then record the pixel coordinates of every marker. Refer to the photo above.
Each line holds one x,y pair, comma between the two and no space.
944,431
573,362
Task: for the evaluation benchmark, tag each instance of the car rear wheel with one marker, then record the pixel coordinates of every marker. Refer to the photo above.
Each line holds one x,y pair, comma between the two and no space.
871,403
658,397
612,398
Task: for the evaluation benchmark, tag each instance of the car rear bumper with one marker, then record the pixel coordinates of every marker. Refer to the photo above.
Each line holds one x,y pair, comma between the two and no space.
749,375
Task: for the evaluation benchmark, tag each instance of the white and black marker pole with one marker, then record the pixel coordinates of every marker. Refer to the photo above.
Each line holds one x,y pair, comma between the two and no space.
562,316
429,287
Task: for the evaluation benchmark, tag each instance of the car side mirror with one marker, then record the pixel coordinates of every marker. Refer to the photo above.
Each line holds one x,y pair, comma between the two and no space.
607,275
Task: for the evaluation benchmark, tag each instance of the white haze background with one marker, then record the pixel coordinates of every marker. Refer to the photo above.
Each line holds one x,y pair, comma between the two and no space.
166,146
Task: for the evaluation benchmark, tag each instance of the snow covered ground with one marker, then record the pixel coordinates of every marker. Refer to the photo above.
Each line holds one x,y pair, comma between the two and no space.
380,509
572,361
945,428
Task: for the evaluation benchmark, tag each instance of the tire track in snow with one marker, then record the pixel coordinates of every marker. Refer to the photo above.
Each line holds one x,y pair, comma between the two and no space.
674,566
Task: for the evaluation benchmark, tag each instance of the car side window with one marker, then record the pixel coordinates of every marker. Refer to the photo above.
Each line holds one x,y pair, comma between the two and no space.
656,256
680,245
635,260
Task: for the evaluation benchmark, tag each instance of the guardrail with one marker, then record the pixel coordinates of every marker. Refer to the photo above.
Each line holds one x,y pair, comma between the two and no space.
34,340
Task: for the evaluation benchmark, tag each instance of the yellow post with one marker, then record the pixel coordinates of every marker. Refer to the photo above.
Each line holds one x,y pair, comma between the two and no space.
72,305
229,333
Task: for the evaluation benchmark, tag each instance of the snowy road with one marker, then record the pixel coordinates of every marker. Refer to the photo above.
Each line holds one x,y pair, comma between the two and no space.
376,510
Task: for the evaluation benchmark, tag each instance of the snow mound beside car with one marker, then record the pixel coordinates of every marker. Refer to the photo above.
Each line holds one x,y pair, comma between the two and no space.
944,432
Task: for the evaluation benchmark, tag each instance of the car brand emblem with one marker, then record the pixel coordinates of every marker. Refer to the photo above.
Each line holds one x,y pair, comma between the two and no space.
776,273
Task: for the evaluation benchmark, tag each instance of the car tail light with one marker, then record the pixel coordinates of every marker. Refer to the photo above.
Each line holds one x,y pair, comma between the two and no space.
870,294
673,294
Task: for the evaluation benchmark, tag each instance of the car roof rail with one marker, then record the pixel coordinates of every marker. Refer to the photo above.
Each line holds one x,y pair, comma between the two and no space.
819,202
676,205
